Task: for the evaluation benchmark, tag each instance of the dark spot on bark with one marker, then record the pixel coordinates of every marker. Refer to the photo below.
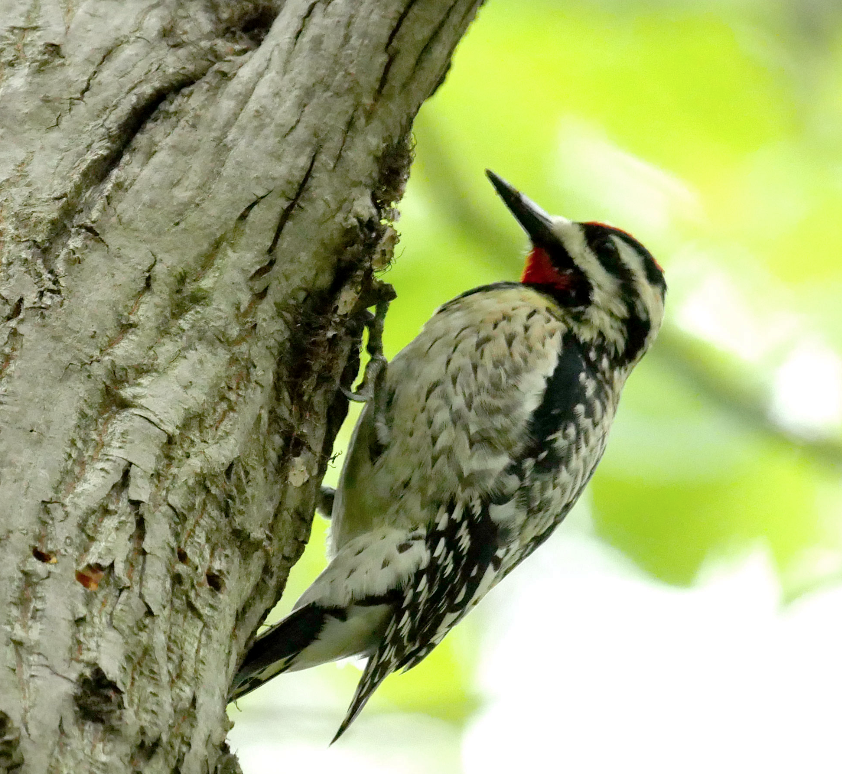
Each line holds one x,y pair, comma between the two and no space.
11,757
262,271
98,699
296,446
16,310
90,576
182,555
52,51
214,581
247,23
144,752
257,24
394,170
44,556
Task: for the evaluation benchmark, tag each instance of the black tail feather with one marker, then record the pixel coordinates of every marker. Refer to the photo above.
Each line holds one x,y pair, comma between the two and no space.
376,671
273,651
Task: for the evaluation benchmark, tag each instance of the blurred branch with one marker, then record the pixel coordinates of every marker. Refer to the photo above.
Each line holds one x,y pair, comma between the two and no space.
674,347
451,197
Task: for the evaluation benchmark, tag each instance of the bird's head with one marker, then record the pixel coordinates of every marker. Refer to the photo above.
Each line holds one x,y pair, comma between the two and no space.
610,283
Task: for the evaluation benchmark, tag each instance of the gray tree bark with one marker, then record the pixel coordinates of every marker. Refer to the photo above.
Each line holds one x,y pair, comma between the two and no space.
193,196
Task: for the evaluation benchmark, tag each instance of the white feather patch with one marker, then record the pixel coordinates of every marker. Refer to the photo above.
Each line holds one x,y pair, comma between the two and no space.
369,566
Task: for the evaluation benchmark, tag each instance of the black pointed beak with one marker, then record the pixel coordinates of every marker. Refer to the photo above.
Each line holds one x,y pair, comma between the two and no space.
531,217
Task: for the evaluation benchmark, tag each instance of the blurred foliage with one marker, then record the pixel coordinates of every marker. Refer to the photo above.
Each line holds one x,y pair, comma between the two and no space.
710,130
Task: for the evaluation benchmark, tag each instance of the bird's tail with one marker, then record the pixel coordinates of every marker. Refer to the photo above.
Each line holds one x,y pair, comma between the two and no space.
275,650
376,670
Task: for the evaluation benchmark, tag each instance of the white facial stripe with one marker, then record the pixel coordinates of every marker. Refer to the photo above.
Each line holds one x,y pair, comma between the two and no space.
560,222
605,286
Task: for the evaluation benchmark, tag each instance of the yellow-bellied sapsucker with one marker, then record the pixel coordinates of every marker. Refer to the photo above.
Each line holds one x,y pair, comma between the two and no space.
484,432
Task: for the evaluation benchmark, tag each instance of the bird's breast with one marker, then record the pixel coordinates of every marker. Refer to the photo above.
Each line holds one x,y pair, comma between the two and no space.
491,387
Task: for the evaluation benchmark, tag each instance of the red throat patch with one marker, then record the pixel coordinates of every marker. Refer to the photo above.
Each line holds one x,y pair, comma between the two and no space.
539,270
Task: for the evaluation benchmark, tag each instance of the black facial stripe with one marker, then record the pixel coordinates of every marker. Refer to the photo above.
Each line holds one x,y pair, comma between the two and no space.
637,326
575,298
654,276
653,273
617,267
559,257
598,238
637,329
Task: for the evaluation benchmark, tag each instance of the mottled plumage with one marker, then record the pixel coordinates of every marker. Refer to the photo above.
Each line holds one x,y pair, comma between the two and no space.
490,424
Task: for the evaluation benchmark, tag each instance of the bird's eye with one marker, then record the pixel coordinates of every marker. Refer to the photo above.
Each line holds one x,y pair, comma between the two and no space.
606,250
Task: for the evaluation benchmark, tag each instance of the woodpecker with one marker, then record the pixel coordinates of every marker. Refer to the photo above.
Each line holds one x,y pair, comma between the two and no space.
482,434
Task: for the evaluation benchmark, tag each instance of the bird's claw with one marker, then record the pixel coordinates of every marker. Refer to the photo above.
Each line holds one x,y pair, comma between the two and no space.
375,369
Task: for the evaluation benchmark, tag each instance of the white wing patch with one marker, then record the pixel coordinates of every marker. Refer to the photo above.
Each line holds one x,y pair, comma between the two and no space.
369,567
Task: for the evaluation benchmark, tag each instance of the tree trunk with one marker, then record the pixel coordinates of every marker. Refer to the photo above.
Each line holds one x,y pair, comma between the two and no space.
193,196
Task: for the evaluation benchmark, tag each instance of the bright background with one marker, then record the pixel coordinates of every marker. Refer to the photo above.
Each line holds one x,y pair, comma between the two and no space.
687,616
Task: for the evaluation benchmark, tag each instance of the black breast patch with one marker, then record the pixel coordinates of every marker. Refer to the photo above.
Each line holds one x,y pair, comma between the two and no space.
574,383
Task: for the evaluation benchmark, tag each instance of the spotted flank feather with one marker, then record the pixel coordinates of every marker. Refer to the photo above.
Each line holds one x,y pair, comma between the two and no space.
464,556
